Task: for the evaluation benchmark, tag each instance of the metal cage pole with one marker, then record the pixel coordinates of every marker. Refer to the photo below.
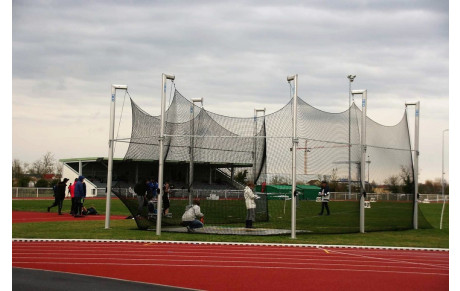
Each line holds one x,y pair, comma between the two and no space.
110,157
351,78
160,158
363,157
295,141
442,180
254,170
192,145
416,154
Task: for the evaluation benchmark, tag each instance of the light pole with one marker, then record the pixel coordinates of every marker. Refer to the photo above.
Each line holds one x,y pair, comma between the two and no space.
192,136
351,78
442,179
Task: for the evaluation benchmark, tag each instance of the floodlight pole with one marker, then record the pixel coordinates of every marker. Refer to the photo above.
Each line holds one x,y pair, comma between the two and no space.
192,141
110,157
442,180
363,156
416,154
295,141
160,157
351,78
254,170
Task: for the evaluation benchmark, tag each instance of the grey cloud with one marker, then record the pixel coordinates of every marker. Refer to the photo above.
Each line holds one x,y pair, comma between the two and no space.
241,50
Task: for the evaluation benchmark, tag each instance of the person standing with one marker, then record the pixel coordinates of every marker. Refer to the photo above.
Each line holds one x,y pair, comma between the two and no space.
324,194
166,190
141,189
264,185
72,196
250,198
80,194
59,195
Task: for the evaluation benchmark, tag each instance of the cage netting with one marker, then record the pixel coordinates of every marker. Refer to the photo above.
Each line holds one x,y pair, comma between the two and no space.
227,151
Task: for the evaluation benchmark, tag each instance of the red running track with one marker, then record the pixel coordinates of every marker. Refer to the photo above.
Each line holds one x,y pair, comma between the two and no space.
30,216
241,267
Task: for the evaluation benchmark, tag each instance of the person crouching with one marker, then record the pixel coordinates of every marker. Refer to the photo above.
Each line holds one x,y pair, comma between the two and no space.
191,216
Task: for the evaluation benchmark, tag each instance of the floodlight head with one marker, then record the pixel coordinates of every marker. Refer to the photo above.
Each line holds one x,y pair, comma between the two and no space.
351,77
290,78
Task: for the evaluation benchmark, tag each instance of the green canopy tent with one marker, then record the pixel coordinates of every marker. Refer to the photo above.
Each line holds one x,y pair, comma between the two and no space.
279,192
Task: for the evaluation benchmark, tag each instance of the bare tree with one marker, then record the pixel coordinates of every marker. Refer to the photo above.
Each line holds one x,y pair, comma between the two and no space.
59,169
43,166
18,169
48,163
393,183
36,168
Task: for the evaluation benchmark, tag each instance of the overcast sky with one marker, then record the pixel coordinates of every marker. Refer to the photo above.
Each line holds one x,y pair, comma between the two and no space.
237,55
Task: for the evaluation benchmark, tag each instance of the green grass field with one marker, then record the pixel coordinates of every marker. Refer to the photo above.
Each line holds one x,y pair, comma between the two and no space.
343,215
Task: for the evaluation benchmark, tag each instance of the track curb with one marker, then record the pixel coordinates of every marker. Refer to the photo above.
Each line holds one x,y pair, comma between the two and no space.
232,244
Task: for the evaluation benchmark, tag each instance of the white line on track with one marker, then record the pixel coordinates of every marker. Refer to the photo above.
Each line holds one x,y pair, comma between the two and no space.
388,260
299,254
239,267
221,256
356,264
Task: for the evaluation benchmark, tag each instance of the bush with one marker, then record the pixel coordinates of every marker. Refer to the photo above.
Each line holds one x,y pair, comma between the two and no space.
42,183
23,181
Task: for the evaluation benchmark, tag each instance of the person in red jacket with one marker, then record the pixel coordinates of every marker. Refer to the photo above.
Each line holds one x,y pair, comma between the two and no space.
72,196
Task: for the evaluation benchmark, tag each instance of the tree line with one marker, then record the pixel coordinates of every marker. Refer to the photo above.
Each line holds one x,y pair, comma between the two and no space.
398,183
23,172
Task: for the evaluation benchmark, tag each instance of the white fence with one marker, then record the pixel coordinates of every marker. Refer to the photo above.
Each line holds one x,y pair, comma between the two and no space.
30,192
34,192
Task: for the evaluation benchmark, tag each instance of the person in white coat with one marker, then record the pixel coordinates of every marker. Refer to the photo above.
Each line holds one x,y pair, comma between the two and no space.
250,198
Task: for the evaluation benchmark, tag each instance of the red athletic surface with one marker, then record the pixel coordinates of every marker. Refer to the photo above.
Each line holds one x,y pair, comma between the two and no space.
239,267
29,216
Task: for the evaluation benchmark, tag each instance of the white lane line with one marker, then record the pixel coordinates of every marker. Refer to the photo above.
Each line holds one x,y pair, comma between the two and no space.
391,260
103,256
243,260
238,267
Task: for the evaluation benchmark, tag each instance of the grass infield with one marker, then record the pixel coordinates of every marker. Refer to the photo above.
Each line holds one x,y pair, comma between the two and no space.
379,217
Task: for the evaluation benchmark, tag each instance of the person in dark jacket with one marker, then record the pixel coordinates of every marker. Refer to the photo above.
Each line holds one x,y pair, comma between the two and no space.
59,195
324,194
166,204
80,194
141,189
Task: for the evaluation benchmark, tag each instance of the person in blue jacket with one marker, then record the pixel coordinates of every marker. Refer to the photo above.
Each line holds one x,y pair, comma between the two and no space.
80,194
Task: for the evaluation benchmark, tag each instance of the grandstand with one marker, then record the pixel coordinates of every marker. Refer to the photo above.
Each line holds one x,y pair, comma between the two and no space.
207,176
